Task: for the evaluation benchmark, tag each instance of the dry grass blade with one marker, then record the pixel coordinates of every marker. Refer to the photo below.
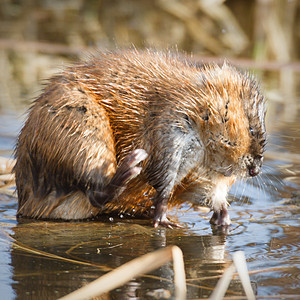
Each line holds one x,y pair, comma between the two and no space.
7,177
28,249
179,273
241,266
7,191
138,266
6,165
223,284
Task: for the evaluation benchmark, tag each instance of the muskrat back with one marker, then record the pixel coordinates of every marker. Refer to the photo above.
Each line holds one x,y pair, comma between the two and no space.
129,130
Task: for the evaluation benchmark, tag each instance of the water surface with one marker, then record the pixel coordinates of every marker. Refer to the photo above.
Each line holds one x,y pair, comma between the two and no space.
265,213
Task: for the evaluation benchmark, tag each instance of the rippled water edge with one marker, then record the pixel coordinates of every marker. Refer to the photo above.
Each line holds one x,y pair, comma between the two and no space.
265,214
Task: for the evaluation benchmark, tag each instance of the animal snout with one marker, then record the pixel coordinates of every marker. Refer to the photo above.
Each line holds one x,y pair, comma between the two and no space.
255,166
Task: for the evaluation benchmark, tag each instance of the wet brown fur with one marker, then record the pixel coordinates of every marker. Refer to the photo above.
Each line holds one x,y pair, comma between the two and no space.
94,114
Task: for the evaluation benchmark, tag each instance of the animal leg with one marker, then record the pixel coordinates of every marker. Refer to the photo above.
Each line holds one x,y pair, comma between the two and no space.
221,217
127,170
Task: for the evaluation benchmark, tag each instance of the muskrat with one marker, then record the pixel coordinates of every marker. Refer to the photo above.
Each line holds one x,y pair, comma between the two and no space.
135,131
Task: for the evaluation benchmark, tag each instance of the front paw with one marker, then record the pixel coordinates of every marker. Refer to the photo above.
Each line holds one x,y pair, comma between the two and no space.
165,222
220,218
160,218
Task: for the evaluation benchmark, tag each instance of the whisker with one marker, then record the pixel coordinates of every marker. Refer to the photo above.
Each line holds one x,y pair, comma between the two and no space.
261,186
273,181
245,199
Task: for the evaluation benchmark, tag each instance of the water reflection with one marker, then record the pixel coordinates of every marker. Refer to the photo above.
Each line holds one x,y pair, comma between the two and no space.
95,248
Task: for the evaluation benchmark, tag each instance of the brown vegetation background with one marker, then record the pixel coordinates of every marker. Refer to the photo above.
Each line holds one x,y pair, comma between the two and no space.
39,37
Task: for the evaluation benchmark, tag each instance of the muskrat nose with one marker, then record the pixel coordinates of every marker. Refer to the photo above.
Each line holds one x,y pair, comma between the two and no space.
254,168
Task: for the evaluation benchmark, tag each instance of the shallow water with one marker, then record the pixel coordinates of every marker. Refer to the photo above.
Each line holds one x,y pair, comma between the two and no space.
265,213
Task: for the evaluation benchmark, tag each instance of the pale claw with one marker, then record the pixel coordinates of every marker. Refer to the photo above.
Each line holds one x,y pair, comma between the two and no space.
160,216
165,223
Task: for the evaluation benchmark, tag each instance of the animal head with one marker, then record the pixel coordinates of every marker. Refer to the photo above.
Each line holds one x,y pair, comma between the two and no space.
232,121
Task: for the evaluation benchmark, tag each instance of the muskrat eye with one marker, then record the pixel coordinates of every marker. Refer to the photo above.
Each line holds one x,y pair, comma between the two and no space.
205,118
251,131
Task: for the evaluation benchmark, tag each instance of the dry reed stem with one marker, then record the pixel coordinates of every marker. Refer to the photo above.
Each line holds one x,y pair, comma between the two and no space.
223,283
61,49
239,264
7,177
26,248
136,267
272,297
241,267
6,165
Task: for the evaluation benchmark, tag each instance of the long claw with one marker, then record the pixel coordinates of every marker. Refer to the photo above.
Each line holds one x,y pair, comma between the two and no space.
160,216
166,223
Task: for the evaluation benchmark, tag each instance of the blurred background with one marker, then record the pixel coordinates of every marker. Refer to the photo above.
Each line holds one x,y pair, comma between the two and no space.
39,37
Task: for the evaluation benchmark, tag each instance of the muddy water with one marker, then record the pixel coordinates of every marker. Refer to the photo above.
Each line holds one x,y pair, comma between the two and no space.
265,212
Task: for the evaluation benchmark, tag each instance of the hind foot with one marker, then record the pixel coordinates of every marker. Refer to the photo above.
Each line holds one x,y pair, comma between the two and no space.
220,218
127,170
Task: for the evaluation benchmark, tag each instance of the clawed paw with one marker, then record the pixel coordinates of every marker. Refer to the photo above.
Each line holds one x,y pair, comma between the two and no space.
128,168
165,222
